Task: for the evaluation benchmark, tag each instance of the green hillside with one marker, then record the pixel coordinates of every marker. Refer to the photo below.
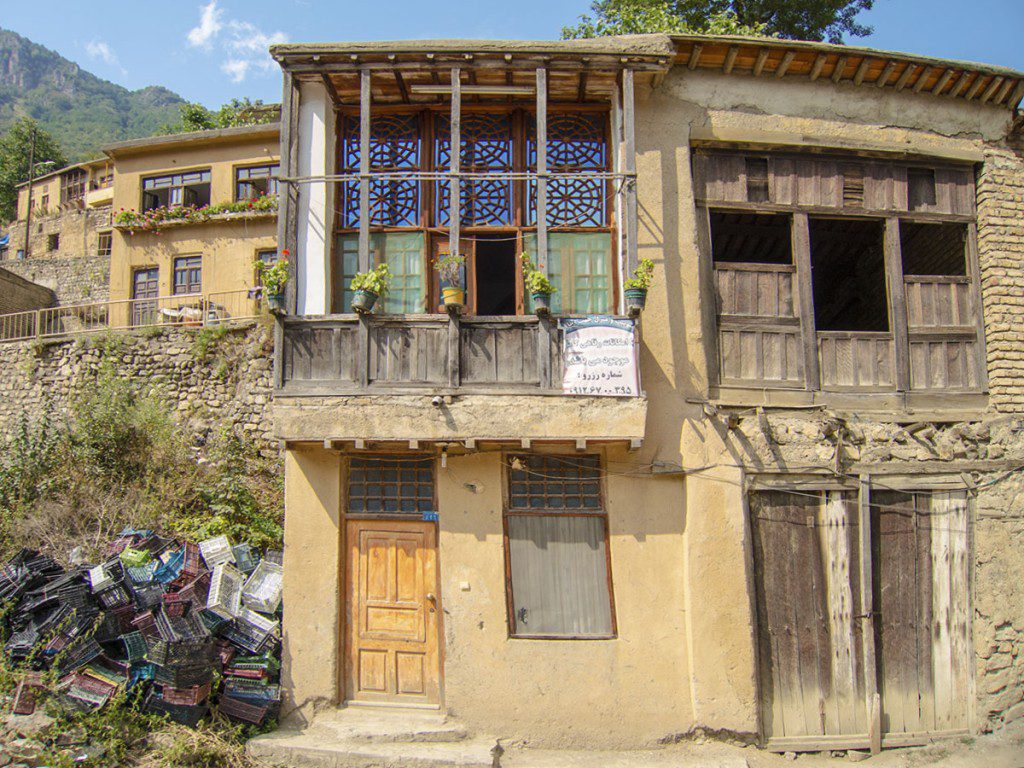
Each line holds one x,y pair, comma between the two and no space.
79,109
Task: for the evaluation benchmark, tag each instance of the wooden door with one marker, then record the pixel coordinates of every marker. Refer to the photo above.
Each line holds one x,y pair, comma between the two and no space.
392,612
145,290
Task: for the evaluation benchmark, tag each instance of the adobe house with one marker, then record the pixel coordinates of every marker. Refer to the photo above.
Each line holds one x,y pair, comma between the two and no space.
799,523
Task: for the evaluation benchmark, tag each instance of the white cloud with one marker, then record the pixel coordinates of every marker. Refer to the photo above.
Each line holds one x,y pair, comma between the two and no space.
202,35
244,43
98,49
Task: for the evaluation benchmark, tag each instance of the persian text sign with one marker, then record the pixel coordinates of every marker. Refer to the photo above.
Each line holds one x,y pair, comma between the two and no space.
599,357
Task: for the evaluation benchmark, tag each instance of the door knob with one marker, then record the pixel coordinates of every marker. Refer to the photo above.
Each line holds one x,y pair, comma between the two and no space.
431,598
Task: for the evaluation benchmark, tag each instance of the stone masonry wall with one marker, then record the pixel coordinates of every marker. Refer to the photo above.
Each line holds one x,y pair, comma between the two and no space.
230,385
74,280
19,295
77,228
1001,259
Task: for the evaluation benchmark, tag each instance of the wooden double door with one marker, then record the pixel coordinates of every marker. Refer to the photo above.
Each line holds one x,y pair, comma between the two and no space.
393,612
863,617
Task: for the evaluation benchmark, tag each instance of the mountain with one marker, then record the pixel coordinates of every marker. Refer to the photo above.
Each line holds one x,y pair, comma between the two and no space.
82,111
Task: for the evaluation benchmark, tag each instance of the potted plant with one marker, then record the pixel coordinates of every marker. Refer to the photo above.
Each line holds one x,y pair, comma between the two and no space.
273,278
538,286
636,287
368,287
450,269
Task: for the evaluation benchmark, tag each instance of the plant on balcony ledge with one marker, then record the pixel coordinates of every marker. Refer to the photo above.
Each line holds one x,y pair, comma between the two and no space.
538,286
273,279
368,287
156,219
450,269
636,287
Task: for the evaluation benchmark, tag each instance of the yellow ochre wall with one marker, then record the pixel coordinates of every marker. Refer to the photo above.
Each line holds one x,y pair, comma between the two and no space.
228,248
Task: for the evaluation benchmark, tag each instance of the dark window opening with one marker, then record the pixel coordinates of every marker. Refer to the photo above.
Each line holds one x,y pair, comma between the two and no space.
181,189
848,274
920,188
751,237
933,249
391,485
853,185
103,244
495,276
52,242
72,187
757,179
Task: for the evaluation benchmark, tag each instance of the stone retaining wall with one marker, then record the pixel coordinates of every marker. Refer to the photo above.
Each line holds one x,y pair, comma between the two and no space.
74,280
229,385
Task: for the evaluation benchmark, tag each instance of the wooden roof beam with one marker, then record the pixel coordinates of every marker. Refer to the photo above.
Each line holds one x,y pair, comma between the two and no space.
942,83
762,57
402,88
819,64
695,53
1017,95
883,79
922,79
975,89
959,85
329,85
862,70
837,73
787,59
989,92
730,59
904,78
581,90
1004,91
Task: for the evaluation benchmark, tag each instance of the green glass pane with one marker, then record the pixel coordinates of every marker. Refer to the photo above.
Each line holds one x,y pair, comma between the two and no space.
403,253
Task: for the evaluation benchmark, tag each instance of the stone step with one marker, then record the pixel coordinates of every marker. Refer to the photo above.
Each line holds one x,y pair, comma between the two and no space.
389,725
318,748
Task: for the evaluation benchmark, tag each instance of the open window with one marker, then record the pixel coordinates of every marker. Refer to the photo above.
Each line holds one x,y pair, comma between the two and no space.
848,274
255,182
180,189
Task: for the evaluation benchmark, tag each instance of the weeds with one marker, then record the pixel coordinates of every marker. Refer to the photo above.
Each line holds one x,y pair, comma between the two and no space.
206,340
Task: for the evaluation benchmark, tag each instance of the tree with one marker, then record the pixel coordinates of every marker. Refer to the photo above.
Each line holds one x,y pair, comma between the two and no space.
237,112
796,19
14,158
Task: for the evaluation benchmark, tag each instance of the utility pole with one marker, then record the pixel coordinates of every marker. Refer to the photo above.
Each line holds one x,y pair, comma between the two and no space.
31,174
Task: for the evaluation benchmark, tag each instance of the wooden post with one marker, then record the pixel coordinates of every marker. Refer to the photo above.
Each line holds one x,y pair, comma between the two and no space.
872,701
454,344
897,302
974,272
455,201
801,244
364,170
629,140
363,351
542,170
545,329
288,200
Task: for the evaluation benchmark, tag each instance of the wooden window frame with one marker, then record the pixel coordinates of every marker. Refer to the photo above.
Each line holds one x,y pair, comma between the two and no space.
427,459
975,366
175,269
518,227
101,238
271,178
508,510
170,174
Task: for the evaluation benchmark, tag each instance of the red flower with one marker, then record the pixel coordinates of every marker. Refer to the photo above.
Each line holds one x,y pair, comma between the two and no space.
286,252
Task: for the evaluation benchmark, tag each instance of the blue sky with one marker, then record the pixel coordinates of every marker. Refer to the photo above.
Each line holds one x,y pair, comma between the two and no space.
213,50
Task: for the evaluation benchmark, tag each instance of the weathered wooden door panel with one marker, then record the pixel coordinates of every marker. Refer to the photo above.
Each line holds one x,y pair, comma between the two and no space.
392,612
922,632
807,583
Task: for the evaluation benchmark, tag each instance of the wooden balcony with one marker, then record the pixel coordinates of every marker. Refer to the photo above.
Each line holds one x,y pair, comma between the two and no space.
408,354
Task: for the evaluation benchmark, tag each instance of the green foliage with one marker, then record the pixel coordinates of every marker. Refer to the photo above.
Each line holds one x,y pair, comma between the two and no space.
796,19
535,281
449,267
275,277
207,338
82,111
642,275
27,463
155,218
375,281
14,153
237,112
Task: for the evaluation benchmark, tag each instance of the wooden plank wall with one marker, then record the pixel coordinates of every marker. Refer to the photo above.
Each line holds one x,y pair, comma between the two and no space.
853,360
493,353
320,352
404,353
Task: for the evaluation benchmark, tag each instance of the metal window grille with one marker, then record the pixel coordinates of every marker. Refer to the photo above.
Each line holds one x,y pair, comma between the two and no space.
555,483
391,485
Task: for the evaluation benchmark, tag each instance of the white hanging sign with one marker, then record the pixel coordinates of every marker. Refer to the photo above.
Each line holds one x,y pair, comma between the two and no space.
599,357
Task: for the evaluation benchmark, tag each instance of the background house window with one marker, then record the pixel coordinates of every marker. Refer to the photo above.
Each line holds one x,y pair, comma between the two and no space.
558,548
267,258
256,181
188,275
3,253
191,188
391,485
44,203
52,242
103,244
72,187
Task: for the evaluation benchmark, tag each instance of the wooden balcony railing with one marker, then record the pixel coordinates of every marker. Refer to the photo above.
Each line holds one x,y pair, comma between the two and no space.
349,354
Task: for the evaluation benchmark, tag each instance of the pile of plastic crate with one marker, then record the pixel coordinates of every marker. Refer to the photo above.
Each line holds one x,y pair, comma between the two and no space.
183,627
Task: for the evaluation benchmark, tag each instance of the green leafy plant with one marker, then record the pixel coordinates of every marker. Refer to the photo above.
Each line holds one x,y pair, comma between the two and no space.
375,281
642,276
275,277
449,267
534,280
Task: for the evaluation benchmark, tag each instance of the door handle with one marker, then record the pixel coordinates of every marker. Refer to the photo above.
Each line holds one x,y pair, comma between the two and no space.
432,600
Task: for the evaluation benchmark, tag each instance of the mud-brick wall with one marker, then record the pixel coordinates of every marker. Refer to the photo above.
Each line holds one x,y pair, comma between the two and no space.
73,280
228,385
20,295
1001,258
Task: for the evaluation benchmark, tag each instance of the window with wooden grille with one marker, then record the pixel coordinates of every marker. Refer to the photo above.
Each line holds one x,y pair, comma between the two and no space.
757,179
401,485
72,187
188,275
557,548
104,242
256,182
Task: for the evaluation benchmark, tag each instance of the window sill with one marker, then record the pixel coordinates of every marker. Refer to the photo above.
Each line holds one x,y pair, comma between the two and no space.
567,638
961,405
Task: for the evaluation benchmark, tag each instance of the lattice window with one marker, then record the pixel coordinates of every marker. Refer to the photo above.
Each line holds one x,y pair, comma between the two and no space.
576,142
555,482
395,145
391,484
485,141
